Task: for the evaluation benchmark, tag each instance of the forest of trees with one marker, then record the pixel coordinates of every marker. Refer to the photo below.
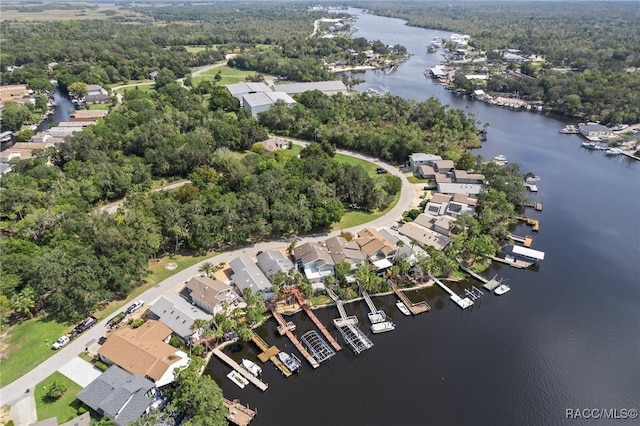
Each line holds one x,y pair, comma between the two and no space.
592,49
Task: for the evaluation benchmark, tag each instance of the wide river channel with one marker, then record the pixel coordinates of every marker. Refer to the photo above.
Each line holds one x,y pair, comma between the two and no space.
567,335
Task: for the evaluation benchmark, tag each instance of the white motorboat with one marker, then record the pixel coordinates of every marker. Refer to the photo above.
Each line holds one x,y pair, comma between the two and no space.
403,308
237,378
613,151
290,361
501,289
382,327
251,367
500,160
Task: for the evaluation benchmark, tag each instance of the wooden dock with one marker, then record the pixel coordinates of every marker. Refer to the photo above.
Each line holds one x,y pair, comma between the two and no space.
250,377
307,309
520,264
537,205
238,414
630,155
525,241
535,224
284,328
414,308
269,353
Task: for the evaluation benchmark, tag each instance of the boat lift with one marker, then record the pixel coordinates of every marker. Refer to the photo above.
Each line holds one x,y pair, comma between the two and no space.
348,327
474,293
317,346
375,315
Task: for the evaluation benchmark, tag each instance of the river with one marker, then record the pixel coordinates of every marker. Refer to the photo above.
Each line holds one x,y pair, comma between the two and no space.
565,337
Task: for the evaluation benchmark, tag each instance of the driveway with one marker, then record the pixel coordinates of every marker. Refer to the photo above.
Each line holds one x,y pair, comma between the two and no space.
80,371
23,411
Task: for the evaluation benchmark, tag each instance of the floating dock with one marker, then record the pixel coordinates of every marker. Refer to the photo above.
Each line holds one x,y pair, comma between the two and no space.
537,205
307,309
414,308
348,327
238,414
463,303
269,353
375,315
250,377
535,224
285,327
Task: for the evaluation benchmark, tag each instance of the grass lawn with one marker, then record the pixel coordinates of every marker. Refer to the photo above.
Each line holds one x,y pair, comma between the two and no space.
64,408
144,86
368,166
416,179
355,218
100,106
229,75
28,344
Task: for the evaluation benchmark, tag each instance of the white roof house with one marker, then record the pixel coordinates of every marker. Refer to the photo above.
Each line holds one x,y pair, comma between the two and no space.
326,87
238,90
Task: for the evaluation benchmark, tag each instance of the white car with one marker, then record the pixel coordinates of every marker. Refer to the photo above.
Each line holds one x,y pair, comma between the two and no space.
62,340
135,306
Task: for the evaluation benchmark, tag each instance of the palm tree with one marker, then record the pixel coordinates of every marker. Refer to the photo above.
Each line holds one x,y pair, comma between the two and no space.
206,268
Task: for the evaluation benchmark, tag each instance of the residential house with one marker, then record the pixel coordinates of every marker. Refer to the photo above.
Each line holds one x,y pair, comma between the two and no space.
315,260
274,144
329,88
89,114
594,130
342,250
439,224
238,90
421,159
462,176
442,166
178,314
212,296
98,98
83,419
246,274
451,204
272,261
119,395
94,89
380,252
426,172
144,351
405,248
22,150
424,236
262,101
459,188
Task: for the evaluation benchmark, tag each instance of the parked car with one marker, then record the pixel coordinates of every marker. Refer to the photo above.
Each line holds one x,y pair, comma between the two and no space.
86,324
135,306
381,170
62,340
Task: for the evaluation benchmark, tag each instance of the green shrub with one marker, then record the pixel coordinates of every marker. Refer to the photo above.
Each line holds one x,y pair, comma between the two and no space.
175,342
56,389
101,366
136,322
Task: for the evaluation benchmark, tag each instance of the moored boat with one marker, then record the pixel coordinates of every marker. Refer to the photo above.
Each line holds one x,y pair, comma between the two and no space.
502,289
403,308
382,327
500,160
590,145
613,151
290,361
251,367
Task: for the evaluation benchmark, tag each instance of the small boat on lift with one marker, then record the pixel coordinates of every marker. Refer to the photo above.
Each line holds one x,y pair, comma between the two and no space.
290,361
237,378
403,308
251,367
382,327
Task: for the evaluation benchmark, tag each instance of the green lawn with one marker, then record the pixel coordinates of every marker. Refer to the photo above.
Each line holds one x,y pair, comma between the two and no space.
100,106
369,167
229,75
29,344
355,218
64,408
145,87
416,179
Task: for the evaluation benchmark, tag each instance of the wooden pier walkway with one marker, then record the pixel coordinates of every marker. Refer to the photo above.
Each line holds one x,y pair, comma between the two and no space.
525,241
284,327
250,377
463,303
537,205
307,309
516,263
238,414
269,353
414,308
535,224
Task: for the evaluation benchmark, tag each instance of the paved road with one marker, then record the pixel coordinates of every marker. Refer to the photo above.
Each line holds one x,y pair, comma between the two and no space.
14,391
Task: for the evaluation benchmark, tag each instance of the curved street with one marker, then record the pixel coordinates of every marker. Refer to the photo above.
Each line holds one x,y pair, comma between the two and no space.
16,390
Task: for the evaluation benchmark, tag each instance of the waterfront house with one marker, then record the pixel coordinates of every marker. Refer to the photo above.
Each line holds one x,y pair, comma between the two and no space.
439,224
425,237
403,245
426,172
380,251
98,98
94,89
421,159
594,130
272,261
459,188
342,250
442,166
89,114
451,204
178,314
314,260
119,395
144,351
212,296
462,176
247,275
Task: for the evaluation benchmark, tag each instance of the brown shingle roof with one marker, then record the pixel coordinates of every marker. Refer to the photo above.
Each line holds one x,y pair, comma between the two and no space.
206,289
371,241
440,198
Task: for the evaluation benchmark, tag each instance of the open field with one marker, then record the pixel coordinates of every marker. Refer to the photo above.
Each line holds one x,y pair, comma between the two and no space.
355,218
229,75
102,12
368,166
64,408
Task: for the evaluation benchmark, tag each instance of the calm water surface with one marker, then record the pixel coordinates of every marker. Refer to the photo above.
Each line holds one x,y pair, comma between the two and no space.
566,336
